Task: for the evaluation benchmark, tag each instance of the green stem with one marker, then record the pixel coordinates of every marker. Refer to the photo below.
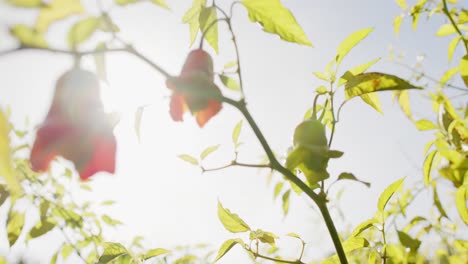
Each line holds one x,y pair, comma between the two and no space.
455,26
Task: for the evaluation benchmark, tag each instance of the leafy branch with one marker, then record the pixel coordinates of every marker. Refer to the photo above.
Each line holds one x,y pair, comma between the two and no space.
454,24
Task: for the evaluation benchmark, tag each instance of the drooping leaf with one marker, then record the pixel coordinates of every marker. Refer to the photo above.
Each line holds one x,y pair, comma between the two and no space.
6,166
15,224
277,19
407,241
350,42
397,24
188,159
445,30
373,100
452,46
278,189
82,30
155,252
424,124
401,3
26,3
41,228
160,3
67,249
209,25
236,132
208,151
226,246
191,17
461,196
438,204
110,221
374,82
388,193
28,37
464,69
355,71
229,82
232,222
447,76
285,200
364,226
427,167
112,251
350,176
404,102
56,10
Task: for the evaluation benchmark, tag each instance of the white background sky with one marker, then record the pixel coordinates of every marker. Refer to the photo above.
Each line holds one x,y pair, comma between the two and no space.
170,202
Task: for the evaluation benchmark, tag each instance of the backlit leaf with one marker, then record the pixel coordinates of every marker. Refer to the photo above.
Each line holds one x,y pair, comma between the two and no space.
278,189
188,159
41,228
464,69
350,176
350,42
82,30
447,76
208,16
374,82
56,10
15,224
373,100
191,17
445,30
28,37
112,251
160,3
6,166
438,204
461,197
26,3
285,199
388,193
208,151
452,46
401,3
397,24
229,82
364,226
354,243
232,222
404,102
226,246
427,167
355,71
424,124
236,132
155,252
277,19
407,241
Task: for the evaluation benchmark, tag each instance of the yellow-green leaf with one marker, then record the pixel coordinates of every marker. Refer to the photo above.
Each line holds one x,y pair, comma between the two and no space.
427,167
41,228
354,243
208,151
112,251
188,159
464,69
15,224
437,203
374,82
355,71
278,189
452,46
463,16
461,197
226,246
447,76
364,226
397,24
232,222
191,17
209,26
404,102
373,100
276,19
83,30
155,252
401,4
445,30
160,3
424,124
229,82
26,3
6,166
56,10
285,200
236,132
28,37
350,42
388,193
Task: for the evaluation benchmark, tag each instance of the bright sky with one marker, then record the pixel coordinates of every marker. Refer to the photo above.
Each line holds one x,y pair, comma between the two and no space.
170,202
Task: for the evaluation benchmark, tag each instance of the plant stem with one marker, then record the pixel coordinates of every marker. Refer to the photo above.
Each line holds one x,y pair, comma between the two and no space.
277,259
455,26
235,163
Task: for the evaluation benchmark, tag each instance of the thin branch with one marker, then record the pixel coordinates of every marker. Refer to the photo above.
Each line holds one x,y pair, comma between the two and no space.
455,25
207,29
278,260
235,163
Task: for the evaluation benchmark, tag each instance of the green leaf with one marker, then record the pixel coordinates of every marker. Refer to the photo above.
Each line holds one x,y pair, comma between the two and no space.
464,69
208,151
461,197
232,222
285,199
155,252
110,221
263,236
463,16
350,42
401,4
226,246
236,133
3,194
322,76
28,37
66,251
82,30
191,17
276,19
407,241
321,90
452,46
373,100
125,2
388,193
15,224
437,203
26,3
57,10
447,76
229,82
397,24
137,124
427,167
354,243
231,64
350,176
188,159
364,226
374,82
355,71
6,166
112,251
404,102
208,16
294,235
445,30
41,228
278,189
424,124
160,3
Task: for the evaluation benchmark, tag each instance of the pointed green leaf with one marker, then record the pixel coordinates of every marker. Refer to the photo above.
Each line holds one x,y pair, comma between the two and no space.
427,167
354,243
438,204
83,30
229,82
208,151
374,82
397,24
278,189
236,132
112,251
15,224
424,125
350,176
350,42
364,226
191,17
160,3
226,246
66,251
232,222
26,3
6,166
110,221
447,76
401,4
463,17
276,19
285,200
445,30
28,37
452,46
155,252
188,159
373,100
355,71
209,26
388,193
41,228
461,196
57,10
404,102
464,69
230,65
322,76
407,241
